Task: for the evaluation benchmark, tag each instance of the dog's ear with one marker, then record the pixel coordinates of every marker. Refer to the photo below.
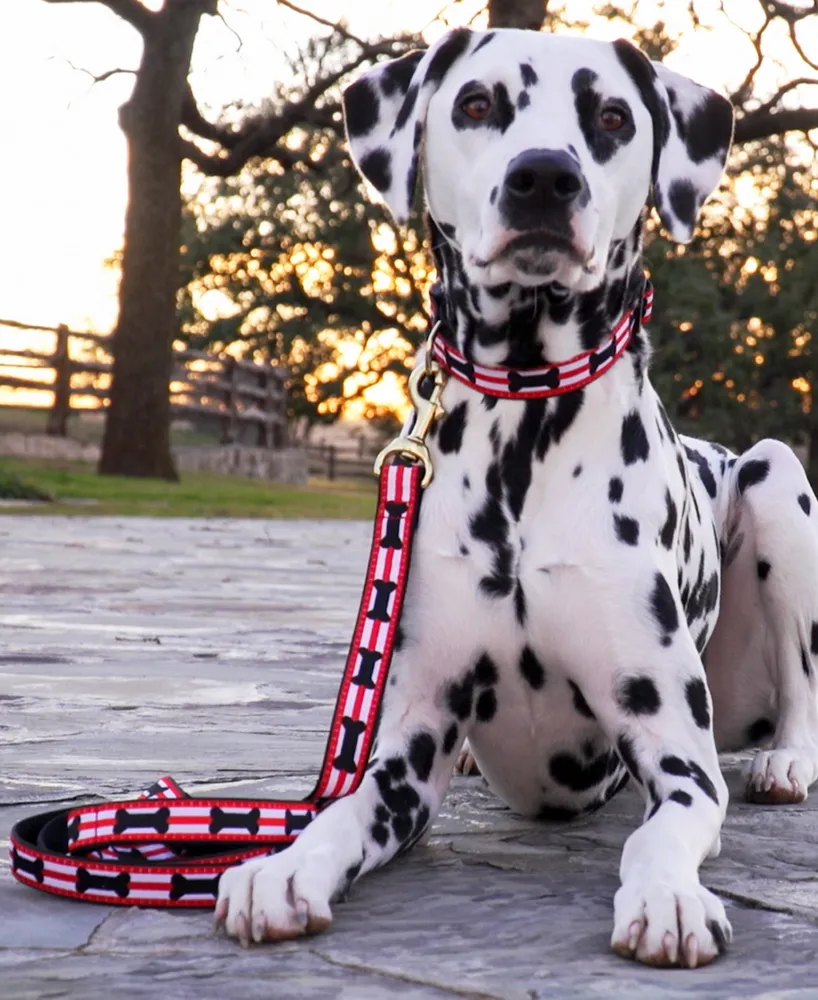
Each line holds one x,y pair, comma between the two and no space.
692,133
385,112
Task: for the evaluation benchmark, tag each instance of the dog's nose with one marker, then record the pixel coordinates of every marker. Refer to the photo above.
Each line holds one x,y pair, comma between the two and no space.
543,178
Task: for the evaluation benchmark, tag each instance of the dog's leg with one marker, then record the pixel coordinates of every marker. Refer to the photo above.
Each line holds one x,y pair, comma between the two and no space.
418,739
641,676
778,517
289,894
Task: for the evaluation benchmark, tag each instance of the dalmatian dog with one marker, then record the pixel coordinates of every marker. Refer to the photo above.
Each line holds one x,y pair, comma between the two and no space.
592,597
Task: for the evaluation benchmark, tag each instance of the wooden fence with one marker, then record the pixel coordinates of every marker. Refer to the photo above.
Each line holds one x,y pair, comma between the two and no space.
329,461
238,395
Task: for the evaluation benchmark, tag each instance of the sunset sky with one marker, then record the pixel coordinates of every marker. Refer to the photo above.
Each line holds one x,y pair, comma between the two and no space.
62,175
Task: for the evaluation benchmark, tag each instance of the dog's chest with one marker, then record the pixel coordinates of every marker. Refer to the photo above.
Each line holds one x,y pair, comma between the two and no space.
522,486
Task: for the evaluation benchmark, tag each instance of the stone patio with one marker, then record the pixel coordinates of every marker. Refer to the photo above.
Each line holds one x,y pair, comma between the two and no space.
211,650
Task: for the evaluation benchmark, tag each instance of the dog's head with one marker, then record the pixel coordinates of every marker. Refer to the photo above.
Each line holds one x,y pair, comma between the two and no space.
538,151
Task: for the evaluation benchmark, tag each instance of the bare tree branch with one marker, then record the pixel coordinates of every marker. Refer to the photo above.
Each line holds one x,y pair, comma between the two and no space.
132,11
801,81
746,87
336,26
761,123
260,136
800,49
101,77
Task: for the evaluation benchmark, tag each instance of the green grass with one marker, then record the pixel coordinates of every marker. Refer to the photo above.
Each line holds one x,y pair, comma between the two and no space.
199,494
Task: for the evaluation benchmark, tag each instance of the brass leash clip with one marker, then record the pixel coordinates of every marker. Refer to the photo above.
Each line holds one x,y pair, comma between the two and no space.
413,445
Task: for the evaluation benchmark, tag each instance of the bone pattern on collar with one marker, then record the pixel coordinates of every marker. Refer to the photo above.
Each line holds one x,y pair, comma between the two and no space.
514,327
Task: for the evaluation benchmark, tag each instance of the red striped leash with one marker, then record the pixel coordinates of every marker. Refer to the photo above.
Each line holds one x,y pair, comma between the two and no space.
165,848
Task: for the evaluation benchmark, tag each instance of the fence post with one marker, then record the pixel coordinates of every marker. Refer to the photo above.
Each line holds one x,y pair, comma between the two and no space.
57,424
229,421
263,426
331,462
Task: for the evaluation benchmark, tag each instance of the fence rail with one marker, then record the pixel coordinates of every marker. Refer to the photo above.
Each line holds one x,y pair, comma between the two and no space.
240,395
332,462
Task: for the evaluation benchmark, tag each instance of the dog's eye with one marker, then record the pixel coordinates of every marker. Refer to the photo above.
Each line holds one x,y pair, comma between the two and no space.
476,106
612,118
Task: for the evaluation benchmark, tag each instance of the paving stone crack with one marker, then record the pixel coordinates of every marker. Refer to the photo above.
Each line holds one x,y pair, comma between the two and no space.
457,991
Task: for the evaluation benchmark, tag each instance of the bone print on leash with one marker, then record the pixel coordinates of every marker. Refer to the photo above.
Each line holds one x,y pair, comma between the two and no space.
112,852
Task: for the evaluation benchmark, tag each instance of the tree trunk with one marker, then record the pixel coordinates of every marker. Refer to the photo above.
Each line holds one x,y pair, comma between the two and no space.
517,13
137,428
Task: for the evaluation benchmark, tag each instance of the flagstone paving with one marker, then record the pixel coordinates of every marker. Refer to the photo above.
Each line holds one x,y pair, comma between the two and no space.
211,650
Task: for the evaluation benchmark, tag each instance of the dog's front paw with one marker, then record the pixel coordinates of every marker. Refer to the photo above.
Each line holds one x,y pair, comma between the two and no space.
273,899
664,922
781,776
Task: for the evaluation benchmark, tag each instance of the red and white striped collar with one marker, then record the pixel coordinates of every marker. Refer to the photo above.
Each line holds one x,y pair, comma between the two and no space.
548,380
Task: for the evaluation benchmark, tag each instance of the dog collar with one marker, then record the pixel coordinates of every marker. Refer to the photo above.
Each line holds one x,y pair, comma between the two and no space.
547,380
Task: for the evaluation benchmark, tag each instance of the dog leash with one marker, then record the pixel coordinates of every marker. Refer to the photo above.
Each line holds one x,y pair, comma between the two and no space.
164,848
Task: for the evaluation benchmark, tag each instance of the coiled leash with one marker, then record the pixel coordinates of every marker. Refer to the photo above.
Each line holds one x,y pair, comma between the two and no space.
164,848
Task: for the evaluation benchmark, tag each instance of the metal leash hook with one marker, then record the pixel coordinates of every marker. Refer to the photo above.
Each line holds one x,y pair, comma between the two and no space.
413,445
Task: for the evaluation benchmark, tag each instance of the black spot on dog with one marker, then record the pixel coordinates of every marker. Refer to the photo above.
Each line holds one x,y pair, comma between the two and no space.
684,201
459,696
703,781
505,287
758,731
615,489
531,668
813,644
627,529
568,770
379,833
450,436
805,664
753,472
401,827
804,503
485,671
523,100
406,108
397,74
484,41
696,694
580,704
663,605
377,168
486,706
627,754
520,607
674,765
395,768
683,798
634,441
639,696
668,532
503,112
422,750
587,103
704,470
449,739
448,53
577,471
361,107
763,569
528,74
